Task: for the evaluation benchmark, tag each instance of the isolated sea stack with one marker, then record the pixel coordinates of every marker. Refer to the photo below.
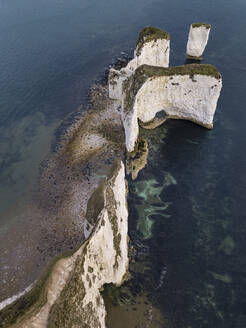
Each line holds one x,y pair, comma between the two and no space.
197,40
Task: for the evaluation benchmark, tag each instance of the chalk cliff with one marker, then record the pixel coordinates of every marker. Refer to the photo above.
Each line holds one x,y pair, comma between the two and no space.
197,40
69,295
187,92
152,48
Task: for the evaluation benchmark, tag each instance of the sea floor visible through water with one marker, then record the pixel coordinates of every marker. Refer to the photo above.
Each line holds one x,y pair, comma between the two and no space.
190,259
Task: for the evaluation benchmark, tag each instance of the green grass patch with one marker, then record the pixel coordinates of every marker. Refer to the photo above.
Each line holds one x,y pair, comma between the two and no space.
148,34
208,26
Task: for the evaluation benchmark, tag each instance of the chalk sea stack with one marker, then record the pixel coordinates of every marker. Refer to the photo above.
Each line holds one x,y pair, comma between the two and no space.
147,86
197,40
187,92
152,48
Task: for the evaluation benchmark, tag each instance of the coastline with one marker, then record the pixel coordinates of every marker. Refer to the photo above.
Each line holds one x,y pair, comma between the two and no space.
71,187
98,138
61,225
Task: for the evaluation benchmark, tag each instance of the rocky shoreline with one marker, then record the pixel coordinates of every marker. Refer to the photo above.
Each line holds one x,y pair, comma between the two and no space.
98,140
58,209
79,188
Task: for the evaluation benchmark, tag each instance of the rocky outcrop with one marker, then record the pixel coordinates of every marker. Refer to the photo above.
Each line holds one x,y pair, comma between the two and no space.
146,86
187,92
152,48
197,40
116,79
68,295
137,159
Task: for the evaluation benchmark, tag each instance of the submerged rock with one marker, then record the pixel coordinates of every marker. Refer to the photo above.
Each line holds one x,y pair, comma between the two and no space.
187,92
68,295
197,40
152,48
137,159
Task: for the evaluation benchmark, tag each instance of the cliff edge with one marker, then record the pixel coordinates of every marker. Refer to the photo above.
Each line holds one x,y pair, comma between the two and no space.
68,295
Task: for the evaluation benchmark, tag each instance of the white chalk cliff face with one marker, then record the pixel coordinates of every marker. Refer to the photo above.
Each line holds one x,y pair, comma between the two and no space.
197,40
147,86
193,99
154,53
116,79
187,92
153,48
71,297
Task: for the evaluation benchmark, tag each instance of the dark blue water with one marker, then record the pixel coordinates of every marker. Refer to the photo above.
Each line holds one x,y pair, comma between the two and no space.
188,205
192,192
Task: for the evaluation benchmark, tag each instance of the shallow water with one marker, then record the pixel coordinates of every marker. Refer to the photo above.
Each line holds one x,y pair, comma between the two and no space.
51,53
194,184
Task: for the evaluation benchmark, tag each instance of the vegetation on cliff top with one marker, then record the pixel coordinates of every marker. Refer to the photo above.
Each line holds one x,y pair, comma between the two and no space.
148,34
208,26
191,70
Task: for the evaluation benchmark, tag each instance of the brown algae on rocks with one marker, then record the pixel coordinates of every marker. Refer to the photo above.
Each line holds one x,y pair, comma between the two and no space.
62,298
61,178
137,159
148,34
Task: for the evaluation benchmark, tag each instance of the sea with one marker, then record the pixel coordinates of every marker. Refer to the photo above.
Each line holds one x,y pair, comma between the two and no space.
187,208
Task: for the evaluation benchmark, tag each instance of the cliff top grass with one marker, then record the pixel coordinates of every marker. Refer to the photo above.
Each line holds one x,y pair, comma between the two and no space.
208,26
142,73
148,34
31,302
190,69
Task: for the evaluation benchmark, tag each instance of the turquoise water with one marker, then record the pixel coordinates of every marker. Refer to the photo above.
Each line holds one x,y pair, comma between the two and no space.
193,227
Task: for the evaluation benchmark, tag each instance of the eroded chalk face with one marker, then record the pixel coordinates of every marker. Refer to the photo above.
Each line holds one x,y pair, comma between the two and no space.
194,98
154,53
153,48
115,81
187,92
197,40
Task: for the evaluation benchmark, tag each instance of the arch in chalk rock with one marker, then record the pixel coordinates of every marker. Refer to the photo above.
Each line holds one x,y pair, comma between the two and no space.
187,92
